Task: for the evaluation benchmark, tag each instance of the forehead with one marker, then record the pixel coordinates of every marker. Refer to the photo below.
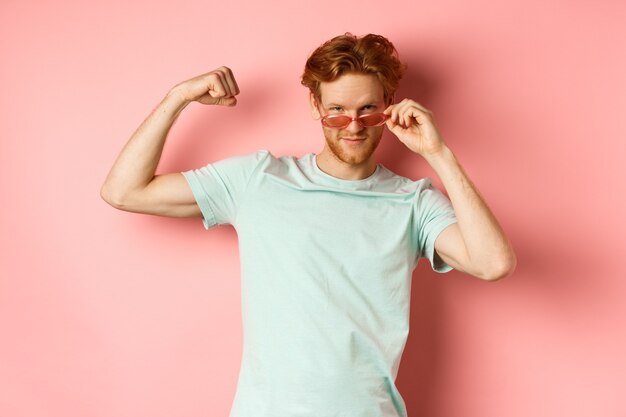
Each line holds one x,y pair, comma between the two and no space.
352,90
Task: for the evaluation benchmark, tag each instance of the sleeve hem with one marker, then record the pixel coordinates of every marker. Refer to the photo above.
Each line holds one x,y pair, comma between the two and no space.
208,217
438,266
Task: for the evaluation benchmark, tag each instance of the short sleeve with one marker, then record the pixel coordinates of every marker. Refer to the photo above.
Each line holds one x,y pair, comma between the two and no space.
219,187
434,213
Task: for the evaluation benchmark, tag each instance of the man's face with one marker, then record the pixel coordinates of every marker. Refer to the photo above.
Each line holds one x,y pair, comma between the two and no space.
354,95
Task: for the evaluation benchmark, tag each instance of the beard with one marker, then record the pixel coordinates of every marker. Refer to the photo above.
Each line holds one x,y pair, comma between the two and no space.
353,154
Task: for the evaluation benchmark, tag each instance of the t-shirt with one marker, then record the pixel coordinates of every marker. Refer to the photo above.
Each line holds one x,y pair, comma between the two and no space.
326,267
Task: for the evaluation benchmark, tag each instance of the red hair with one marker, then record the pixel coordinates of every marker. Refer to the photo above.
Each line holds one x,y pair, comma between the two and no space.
370,54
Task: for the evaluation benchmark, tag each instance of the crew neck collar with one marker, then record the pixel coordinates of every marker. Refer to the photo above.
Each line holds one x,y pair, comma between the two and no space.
340,181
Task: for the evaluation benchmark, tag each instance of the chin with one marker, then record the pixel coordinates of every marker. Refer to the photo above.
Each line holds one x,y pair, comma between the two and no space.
352,156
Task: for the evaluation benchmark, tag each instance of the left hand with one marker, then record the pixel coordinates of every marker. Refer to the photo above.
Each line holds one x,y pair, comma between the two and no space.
414,125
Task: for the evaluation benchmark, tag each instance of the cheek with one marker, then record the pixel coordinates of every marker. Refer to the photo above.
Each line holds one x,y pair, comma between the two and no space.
376,132
330,133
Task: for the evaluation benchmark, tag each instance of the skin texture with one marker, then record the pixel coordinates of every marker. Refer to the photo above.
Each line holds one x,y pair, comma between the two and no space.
476,245
354,95
132,184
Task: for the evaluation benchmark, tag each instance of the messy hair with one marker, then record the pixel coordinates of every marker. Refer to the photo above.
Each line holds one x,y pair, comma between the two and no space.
370,54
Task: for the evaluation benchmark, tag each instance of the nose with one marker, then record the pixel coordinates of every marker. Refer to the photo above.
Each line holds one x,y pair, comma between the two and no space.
355,126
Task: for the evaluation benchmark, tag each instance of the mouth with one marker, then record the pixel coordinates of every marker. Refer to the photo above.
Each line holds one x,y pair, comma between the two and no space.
353,141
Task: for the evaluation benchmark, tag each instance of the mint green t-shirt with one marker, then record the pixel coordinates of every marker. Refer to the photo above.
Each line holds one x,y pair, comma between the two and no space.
326,267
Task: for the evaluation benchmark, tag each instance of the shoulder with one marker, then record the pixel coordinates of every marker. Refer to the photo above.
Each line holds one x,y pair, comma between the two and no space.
256,156
246,161
388,179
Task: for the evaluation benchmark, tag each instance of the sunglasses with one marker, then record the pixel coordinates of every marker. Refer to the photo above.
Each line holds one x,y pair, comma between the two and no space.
341,121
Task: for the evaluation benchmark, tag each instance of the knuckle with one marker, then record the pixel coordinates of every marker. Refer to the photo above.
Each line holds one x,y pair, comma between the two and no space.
225,70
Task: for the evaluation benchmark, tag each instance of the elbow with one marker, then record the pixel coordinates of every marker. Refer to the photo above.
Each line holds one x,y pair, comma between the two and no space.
124,199
114,199
502,268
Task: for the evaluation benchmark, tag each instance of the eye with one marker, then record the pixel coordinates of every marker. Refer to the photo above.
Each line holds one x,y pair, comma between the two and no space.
369,108
336,108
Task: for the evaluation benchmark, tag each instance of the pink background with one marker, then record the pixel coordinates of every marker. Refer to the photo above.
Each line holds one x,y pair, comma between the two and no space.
107,313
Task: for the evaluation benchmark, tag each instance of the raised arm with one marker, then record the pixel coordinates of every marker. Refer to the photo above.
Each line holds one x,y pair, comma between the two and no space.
476,244
132,184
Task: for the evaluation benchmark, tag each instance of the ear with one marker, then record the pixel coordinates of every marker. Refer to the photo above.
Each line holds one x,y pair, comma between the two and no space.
315,113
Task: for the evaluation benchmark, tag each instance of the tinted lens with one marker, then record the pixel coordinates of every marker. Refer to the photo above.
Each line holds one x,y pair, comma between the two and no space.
371,120
342,121
337,121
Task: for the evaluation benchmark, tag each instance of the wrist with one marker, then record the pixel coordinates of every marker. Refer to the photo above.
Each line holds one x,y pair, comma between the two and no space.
174,101
177,97
448,169
443,155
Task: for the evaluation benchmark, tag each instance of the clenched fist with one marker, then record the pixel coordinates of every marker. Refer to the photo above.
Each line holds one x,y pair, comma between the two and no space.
215,87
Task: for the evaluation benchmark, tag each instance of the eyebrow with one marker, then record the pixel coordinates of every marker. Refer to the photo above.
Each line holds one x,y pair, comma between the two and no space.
372,103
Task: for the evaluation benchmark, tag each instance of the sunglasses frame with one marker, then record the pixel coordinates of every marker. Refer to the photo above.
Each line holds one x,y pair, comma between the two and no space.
357,119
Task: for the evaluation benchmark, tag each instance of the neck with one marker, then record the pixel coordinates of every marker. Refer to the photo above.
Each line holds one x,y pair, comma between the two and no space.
332,165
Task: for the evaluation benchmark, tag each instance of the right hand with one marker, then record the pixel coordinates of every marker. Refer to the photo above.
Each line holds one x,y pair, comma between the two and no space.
215,87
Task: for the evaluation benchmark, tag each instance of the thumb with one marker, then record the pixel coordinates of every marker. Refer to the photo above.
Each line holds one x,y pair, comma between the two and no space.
227,101
221,101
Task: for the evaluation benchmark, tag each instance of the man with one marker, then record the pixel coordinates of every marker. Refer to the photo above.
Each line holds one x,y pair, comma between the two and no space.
328,242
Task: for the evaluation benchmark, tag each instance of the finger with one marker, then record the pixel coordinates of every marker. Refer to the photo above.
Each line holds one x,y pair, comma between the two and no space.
392,112
411,115
222,101
401,109
406,111
217,85
230,80
224,75
390,124
416,104
396,111
419,106
227,101
394,128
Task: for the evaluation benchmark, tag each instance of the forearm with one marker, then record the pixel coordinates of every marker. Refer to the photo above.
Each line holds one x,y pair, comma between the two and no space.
488,250
135,166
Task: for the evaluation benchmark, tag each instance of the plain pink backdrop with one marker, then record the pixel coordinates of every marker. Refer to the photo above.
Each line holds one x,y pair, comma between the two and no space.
107,313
